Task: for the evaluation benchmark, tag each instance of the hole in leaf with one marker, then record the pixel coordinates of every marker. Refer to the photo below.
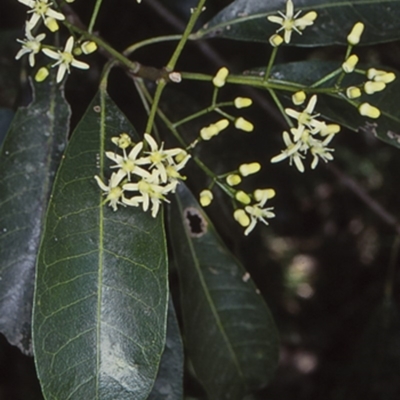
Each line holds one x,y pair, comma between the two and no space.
195,222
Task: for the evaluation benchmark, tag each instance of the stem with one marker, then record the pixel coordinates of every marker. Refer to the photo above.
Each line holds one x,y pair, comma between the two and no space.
326,78
172,62
280,107
270,63
131,49
94,15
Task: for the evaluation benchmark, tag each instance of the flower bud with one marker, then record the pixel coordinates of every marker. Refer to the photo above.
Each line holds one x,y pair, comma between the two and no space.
233,179
208,132
220,78
244,125
380,76
243,102
370,87
51,24
298,98
41,74
354,36
88,47
367,110
242,197
350,64
206,197
264,194
307,20
241,217
222,124
353,92
249,169
276,40
122,141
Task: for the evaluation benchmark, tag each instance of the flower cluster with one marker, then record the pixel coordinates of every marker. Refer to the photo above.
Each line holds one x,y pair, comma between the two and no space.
310,135
246,213
376,79
41,10
148,175
290,22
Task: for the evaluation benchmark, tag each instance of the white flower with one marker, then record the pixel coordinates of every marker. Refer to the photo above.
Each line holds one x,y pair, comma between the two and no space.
320,151
159,158
257,212
291,152
127,163
65,59
113,191
290,22
150,191
40,9
305,117
30,45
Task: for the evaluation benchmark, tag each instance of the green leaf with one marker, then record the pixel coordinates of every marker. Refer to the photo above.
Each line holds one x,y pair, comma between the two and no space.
169,382
101,290
28,160
247,20
339,110
6,116
229,332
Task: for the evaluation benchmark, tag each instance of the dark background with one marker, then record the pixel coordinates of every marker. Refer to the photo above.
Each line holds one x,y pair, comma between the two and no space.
322,264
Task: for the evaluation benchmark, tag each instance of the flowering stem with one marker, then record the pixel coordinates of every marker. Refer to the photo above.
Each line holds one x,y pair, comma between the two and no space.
94,15
326,78
270,63
131,49
280,107
172,62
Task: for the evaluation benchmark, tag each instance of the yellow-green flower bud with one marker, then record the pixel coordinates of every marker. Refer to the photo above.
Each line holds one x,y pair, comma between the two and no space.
370,87
51,24
241,217
249,169
329,129
353,92
242,197
208,132
367,110
233,179
88,47
180,156
220,78
41,74
243,102
380,76
244,125
123,141
298,98
276,40
354,36
308,19
222,124
264,194
69,1
206,197
77,51
350,64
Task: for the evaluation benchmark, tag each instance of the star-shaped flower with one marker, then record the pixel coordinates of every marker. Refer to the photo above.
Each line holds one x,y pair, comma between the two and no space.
30,45
65,59
305,117
40,9
291,152
289,21
114,192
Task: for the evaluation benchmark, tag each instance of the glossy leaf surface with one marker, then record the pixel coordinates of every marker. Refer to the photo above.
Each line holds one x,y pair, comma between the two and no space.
386,127
247,20
169,382
228,329
101,290
29,158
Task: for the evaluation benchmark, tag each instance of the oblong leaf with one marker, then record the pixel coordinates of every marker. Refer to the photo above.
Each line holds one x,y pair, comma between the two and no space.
247,20
336,109
28,160
101,289
229,332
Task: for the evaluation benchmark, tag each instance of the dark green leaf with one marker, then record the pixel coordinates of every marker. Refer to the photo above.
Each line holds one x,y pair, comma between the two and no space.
247,20
336,109
228,329
6,116
101,294
29,157
169,382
